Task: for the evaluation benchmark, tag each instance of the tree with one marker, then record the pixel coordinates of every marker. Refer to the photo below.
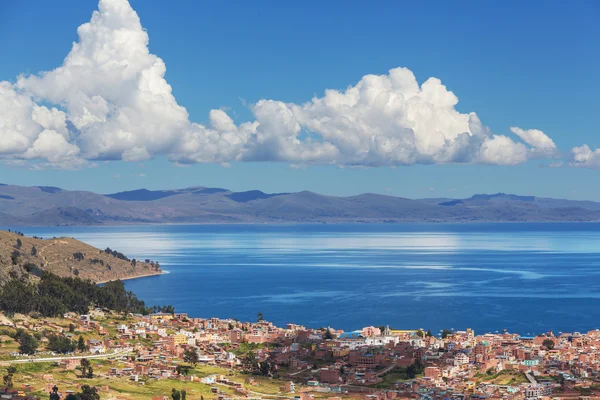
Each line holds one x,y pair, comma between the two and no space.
178,394
266,368
548,343
86,368
81,345
429,334
415,369
27,344
33,251
19,244
191,356
260,317
60,344
183,370
328,335
8,378
446,333
14,257
54,393
71,328
420,333
87,393
250,363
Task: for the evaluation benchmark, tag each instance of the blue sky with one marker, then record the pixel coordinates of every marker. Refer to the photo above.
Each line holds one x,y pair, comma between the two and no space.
531,65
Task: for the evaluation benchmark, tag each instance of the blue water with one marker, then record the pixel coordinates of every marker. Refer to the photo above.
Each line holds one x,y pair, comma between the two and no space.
527,278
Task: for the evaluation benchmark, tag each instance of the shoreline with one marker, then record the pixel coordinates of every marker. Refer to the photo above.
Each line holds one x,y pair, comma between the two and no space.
132,277
303,223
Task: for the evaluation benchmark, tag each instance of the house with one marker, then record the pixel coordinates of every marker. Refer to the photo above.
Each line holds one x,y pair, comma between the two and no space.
290,387
70,363
330,375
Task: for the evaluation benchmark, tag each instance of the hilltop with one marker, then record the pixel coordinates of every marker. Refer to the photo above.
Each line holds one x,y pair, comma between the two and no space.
22,256
51,206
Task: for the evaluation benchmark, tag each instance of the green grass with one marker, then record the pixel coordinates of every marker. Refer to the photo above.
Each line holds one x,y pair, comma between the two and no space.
504,377
68,380
391,378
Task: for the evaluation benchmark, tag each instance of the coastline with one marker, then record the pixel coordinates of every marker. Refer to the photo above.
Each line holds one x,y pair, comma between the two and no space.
133,277
117,224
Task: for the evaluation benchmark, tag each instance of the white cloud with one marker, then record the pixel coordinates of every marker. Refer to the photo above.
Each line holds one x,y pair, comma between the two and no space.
52,146
583,156
534,138
112,89
136,154
501,150
109,100
17,127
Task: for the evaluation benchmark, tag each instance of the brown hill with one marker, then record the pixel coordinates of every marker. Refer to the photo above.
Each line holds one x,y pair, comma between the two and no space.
65,257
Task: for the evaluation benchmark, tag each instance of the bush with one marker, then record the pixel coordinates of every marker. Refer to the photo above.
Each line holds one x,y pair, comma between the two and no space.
14,257
33,269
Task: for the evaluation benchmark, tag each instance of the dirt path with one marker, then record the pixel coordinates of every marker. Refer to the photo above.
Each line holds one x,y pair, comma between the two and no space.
55,359
41,253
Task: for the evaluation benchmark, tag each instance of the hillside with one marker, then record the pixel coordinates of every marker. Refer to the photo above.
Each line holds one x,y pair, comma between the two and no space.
65,257
51,206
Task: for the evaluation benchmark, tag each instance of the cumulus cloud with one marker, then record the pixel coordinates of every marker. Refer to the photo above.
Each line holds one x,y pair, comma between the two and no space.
584,156
535,138
109,100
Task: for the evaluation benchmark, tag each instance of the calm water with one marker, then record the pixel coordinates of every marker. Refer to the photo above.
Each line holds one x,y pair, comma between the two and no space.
527,278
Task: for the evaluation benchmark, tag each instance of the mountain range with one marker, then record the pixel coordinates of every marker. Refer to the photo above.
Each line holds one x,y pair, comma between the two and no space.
52,206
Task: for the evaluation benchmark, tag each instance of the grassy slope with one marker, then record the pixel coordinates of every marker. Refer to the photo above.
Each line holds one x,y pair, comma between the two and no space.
56,255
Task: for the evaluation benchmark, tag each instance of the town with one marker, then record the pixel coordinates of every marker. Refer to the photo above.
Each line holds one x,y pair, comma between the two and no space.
172,356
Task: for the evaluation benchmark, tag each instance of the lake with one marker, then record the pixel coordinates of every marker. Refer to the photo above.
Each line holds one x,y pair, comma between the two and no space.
527,278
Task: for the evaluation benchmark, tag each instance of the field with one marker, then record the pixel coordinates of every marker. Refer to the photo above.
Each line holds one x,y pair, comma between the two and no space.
32,376
505,377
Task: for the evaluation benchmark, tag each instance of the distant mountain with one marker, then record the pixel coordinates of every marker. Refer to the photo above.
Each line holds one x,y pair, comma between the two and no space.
244,197
142,195
47,206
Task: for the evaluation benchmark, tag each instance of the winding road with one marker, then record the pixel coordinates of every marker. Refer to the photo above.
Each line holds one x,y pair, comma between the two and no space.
119,353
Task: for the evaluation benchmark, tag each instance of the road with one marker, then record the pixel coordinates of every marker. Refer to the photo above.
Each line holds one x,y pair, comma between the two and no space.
119,353
386,370
530,378
301,371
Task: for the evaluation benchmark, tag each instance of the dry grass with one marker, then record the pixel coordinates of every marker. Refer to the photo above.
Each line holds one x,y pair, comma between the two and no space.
56,256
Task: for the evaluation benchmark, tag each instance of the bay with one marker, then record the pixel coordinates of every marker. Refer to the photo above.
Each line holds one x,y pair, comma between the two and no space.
526,278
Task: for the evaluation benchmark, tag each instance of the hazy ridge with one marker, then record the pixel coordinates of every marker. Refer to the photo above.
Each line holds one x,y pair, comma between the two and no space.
49,206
